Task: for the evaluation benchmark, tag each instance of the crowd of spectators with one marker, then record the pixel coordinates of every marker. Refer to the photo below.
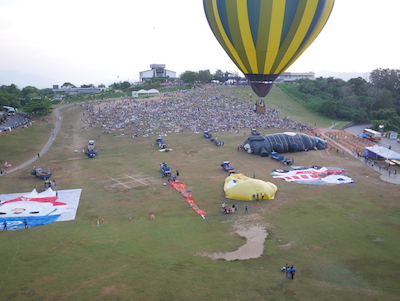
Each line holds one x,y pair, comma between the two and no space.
201,109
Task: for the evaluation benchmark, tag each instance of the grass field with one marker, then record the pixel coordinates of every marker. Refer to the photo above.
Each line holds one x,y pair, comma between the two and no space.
343,240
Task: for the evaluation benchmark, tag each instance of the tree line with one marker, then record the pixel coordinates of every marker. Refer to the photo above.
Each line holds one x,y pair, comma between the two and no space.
376,101
30,99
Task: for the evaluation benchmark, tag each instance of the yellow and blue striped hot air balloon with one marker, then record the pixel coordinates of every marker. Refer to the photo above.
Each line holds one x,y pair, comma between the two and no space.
264,37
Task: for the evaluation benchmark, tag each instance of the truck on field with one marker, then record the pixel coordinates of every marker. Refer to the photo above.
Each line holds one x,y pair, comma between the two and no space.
43,173
228,167
91,145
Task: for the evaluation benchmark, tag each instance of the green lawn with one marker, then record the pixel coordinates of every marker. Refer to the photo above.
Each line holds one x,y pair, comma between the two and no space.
343,240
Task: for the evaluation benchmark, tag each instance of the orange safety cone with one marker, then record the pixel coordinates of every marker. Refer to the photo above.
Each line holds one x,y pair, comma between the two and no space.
130,219
92,224
102,221
152,216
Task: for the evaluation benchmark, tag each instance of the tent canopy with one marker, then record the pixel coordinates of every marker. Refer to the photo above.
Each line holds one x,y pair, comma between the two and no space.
380,151
151,91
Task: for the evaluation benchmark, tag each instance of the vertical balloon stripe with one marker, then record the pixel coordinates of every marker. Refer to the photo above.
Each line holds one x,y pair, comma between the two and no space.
323,12
302,22
223,15
246,36
316,19
276,16
254,10
215,23
291,7
327,7
234,14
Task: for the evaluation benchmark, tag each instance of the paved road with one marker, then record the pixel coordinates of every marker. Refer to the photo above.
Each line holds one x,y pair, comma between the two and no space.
12,121
48,144
385,142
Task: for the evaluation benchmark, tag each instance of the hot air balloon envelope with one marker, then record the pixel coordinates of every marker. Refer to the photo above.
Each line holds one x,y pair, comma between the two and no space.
264,37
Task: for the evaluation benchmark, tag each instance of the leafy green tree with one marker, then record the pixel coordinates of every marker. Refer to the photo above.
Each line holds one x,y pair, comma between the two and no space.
328,108
204,76
39,107
189,77
386,114
306,86
358,86
386,79
47,92
4,98
384,100
218,75
359,116
68,85
28,93
125,85
9,99
12,89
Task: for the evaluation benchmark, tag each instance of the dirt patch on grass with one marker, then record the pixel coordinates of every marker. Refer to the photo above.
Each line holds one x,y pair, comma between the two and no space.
109,290
253,230
316,247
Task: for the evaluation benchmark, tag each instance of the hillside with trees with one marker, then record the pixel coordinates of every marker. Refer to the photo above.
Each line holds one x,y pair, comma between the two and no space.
376,101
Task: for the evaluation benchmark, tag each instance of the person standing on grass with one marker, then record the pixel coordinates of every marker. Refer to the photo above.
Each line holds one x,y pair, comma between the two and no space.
286,268
288,273
5,225
292,271
246,208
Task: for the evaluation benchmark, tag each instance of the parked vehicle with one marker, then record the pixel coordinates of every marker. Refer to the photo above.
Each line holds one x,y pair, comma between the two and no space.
43,173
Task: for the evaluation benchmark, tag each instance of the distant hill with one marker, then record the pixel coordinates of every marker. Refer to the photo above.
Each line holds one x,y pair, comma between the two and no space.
343,75
8,77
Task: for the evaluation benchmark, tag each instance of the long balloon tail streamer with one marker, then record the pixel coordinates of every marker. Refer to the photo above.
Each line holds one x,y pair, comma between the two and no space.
181,188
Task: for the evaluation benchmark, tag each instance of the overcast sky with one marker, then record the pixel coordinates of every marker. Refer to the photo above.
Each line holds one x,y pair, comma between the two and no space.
97,41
